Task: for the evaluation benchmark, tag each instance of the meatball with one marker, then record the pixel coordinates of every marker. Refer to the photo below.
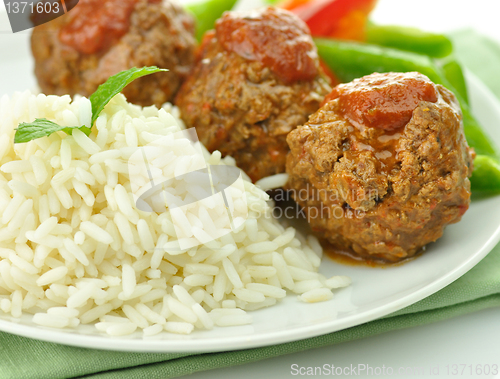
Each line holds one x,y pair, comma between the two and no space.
76,53
383,166
256,79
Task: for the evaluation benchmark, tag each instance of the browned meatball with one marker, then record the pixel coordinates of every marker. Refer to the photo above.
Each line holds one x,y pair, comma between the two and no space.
383,166
76,53
257,78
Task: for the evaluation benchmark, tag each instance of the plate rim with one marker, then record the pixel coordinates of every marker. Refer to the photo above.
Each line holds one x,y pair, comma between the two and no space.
237,342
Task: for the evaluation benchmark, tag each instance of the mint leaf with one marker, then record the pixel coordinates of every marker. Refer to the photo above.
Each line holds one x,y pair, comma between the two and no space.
42,127
114,85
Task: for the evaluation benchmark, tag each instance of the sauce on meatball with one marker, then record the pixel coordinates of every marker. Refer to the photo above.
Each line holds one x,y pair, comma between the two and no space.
97,24
278,39
76,53
384,183
384,101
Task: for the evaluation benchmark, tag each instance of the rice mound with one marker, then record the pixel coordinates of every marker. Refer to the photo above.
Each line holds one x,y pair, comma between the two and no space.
75,248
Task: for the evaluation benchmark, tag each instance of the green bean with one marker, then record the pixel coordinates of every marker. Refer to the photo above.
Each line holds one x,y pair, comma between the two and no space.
486,175
409,39
350,60
452,71
206,12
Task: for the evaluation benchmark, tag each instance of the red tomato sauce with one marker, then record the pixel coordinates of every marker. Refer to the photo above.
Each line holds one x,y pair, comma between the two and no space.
277,38
95,25
384,101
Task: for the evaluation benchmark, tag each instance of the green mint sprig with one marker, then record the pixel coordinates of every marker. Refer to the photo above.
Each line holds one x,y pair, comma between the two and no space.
41,127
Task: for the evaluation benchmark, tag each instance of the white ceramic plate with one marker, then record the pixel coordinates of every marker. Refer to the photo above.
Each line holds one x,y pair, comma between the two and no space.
375,292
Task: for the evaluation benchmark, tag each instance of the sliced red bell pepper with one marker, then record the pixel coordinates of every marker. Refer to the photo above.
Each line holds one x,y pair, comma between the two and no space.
343,19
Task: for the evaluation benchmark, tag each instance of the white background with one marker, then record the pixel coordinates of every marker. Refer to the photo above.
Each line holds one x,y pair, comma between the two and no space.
471,339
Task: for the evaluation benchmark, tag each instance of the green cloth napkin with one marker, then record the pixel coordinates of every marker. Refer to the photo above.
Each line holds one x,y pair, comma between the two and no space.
478,289
25,358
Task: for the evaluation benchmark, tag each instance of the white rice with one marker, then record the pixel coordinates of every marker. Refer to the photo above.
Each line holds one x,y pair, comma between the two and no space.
272,182
315,295
75,249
